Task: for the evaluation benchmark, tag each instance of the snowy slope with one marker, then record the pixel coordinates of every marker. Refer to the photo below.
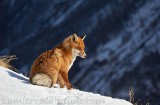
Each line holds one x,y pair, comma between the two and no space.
15,89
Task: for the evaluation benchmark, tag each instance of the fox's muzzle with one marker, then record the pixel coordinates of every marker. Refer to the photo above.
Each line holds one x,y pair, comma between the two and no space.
83,55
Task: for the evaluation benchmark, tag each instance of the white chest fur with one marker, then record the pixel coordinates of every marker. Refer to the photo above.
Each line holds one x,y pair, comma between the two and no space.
74,55
74,58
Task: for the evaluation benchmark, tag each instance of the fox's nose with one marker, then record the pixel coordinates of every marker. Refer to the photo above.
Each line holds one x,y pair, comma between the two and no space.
83,55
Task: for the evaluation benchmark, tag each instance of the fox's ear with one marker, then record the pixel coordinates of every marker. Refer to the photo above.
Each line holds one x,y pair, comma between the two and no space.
74,38
83,37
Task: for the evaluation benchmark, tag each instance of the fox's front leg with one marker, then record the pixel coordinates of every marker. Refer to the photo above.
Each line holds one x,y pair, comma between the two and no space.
60,80
64,76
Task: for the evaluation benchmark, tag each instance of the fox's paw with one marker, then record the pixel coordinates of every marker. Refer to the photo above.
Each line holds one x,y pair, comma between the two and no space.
61,85
69,86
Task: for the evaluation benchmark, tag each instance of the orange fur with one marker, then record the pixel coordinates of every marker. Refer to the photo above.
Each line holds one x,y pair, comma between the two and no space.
57,62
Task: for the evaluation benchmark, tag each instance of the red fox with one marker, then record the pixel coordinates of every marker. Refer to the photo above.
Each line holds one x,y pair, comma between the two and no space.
52,66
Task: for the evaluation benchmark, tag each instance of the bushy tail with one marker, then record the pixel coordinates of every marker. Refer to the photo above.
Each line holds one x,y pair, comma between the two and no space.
41,80
4,62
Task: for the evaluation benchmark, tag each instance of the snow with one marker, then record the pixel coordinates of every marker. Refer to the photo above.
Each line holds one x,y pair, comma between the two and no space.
15,89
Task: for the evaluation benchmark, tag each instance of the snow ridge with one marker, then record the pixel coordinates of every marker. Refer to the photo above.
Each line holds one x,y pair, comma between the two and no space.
15,89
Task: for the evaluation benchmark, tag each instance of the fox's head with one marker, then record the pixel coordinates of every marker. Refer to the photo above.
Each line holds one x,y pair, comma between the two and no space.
76,44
